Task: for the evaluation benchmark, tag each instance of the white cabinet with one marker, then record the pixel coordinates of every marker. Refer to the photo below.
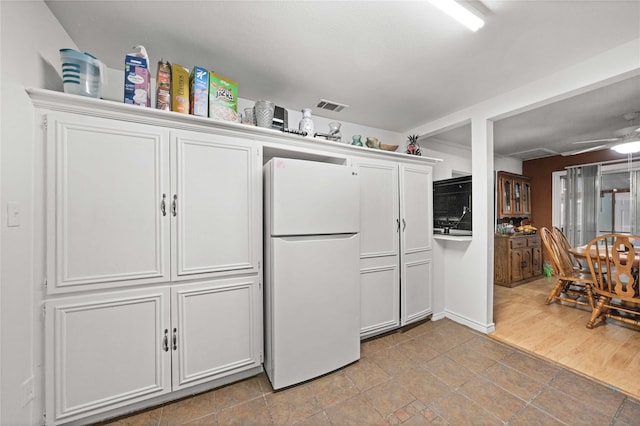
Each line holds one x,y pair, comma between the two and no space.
106,184
117,192
113,349
216,188
395,244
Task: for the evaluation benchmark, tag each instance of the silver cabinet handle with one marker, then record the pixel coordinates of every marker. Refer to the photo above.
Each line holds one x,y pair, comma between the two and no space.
175,343
398,222
404,225
165,340
163,205
174,205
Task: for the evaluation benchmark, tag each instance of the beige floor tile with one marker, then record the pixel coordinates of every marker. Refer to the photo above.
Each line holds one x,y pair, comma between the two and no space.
423,385
388,397
145,418
237,393
318,419
371,346
333,389
254,412
420,329
569,409
521,385
600,397
288,408
630,412
457,409
532,416
365,374
449,371
418,350
188,409
210,420
468,358
392,360
531,366
354,411
493,398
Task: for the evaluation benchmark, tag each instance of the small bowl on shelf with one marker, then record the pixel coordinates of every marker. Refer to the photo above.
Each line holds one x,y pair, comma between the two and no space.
388,147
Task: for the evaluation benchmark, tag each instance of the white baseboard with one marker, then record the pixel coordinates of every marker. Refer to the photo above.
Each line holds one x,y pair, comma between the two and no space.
482,328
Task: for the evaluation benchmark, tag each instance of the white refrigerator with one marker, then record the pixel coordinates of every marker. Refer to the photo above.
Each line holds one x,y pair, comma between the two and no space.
312,287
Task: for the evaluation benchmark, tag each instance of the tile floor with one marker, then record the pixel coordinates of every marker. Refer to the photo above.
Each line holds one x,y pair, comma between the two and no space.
437,372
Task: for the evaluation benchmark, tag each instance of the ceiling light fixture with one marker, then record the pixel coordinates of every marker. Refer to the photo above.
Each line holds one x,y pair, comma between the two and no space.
628,147
459,13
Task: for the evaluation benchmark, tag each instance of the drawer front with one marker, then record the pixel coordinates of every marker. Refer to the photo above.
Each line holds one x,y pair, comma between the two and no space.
518,243
533,242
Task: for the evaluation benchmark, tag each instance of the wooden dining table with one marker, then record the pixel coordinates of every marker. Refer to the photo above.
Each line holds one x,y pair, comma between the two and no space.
580,252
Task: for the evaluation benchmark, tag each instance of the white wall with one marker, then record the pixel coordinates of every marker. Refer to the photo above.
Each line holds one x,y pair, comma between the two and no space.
30,39
468,278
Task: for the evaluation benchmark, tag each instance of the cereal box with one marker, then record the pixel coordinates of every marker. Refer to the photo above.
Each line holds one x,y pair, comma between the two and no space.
136,80
199,93
179,89
223,98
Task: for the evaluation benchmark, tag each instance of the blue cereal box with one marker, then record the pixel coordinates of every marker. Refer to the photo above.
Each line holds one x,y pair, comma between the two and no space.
199,83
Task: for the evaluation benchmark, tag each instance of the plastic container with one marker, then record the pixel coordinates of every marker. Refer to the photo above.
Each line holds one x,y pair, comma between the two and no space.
82,73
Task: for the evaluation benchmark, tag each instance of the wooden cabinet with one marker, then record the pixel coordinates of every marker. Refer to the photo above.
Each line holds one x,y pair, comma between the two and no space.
116,348
517,259
395,244
514,195
119,192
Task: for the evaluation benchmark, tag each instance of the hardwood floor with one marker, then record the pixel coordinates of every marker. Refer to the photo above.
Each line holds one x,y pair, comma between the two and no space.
609,353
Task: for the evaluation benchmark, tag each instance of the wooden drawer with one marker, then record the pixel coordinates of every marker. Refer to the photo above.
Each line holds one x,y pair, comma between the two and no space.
518,242
533,242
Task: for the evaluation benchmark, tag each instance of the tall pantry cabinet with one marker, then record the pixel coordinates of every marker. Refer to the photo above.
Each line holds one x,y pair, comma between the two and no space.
395,244
154,243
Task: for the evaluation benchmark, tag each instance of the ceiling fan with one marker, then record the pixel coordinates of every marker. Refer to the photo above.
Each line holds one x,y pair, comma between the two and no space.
627,139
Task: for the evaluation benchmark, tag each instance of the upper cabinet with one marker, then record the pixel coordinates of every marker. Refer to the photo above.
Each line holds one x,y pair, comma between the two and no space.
131,203
514,195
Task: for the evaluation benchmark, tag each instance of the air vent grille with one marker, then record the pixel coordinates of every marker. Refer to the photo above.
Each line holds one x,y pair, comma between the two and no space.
331,106
532,154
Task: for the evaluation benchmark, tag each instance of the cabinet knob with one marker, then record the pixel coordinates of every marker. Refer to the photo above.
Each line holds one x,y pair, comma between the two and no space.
404,225
163,205
398,222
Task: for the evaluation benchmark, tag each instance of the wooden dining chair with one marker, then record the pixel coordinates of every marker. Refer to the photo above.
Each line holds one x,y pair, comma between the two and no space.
572,285
617,289
566,246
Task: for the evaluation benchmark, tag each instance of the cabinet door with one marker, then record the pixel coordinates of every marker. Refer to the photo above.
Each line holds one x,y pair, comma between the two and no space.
216,329
106,351
516,258
106,181
416,234
379,241
527,271
517,196
216,205
526,198
506,196
536,261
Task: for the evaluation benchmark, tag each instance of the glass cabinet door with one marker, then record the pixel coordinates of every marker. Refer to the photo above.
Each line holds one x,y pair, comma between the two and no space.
506,196
526,197
517,193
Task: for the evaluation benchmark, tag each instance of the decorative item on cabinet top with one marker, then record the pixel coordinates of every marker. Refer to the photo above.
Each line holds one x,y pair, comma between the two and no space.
413,148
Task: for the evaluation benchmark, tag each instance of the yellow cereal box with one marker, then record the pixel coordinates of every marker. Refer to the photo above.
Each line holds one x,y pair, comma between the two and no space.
223,98
179,89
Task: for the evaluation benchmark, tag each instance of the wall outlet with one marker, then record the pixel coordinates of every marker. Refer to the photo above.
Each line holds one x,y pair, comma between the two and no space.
27,391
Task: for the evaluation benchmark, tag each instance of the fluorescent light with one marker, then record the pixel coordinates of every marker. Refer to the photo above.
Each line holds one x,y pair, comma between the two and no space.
459,13
627,147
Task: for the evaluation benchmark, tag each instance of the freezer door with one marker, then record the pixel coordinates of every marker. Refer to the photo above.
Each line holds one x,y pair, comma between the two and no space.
313,307
311,198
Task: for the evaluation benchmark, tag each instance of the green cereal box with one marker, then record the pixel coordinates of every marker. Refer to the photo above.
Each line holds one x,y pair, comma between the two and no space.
223,98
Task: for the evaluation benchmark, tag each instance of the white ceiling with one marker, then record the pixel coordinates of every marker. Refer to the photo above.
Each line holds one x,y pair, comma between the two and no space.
397,64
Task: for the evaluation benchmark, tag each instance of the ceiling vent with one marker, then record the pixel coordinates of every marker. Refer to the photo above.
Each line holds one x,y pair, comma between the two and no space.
331,106
533,154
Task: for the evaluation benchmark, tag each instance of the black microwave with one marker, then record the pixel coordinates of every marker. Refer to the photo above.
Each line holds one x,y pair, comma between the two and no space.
452,206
